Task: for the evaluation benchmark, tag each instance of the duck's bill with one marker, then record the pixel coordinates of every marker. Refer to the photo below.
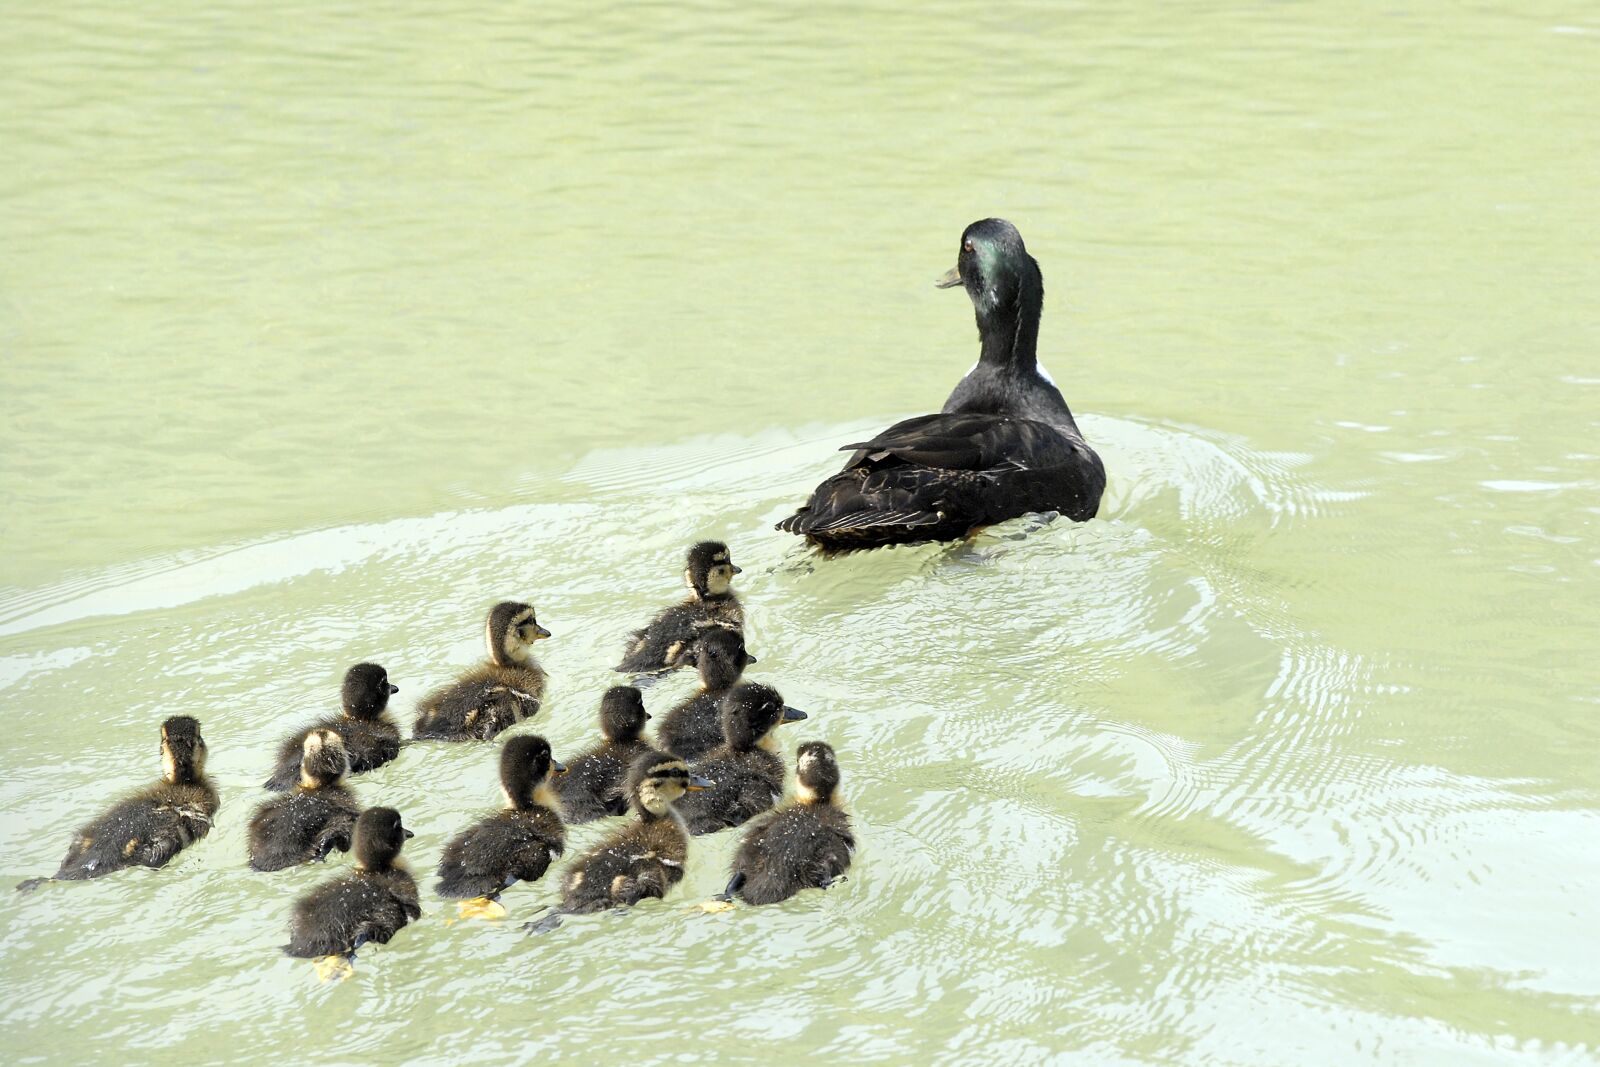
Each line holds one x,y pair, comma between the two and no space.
557,766
697,783
949,280
540,633
393,689
738,570
793,714
408,833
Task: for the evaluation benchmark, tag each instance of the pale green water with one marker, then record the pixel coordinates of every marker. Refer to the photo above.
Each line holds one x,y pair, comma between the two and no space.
323,328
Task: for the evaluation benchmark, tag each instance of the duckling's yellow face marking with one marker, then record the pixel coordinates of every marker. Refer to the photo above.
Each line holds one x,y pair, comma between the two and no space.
719,580
659,794
719,577
663,786
517,644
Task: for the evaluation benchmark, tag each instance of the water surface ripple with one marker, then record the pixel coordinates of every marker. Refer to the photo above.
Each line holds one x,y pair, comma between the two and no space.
325,327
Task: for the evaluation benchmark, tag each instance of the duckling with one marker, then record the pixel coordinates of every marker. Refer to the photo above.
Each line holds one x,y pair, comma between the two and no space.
517,844
661,645
500,692
693,728
152,826
370,737
644,858
804,845
336,918
314,819
746,772
592,788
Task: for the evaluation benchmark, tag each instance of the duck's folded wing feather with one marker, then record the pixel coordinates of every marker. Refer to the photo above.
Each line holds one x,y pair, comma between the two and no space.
933,476
966,442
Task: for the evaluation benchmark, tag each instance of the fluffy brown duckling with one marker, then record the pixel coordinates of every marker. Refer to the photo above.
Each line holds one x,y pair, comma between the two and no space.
804,845
315,818
500,692
154,825
514,845
642,859
693,728
746,772
336,918
370,736
711,604
593,786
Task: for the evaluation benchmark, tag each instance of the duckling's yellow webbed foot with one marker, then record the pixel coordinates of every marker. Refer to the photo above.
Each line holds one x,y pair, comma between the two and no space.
714,907
334,968
480,908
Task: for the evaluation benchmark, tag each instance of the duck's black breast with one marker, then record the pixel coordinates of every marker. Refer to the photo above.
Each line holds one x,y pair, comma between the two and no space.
936,477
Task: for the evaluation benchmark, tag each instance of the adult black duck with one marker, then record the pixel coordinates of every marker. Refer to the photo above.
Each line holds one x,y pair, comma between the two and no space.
1005,443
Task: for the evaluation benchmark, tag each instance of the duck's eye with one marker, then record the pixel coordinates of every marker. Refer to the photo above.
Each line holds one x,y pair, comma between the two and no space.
966,246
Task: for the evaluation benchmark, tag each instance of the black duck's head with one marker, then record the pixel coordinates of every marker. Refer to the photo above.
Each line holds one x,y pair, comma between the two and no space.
366,691
751,712
622,714
655,782
379,839
994,267
324,760
816,772
511,632
710,571
525,766
720,657
183,750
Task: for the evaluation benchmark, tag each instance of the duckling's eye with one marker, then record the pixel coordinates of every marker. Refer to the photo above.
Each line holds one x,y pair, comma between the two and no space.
966,246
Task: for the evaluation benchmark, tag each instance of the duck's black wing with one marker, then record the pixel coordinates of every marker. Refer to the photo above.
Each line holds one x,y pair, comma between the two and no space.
936,477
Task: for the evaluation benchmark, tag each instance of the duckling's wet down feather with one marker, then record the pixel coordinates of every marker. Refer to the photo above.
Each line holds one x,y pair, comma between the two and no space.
670,639
804,845
151,827
370,905
643,859
507,688
315,818
694,727
595,783
514,845
746,777
370,736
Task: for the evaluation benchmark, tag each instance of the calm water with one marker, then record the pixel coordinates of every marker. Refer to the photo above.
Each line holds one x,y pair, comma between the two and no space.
323,328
